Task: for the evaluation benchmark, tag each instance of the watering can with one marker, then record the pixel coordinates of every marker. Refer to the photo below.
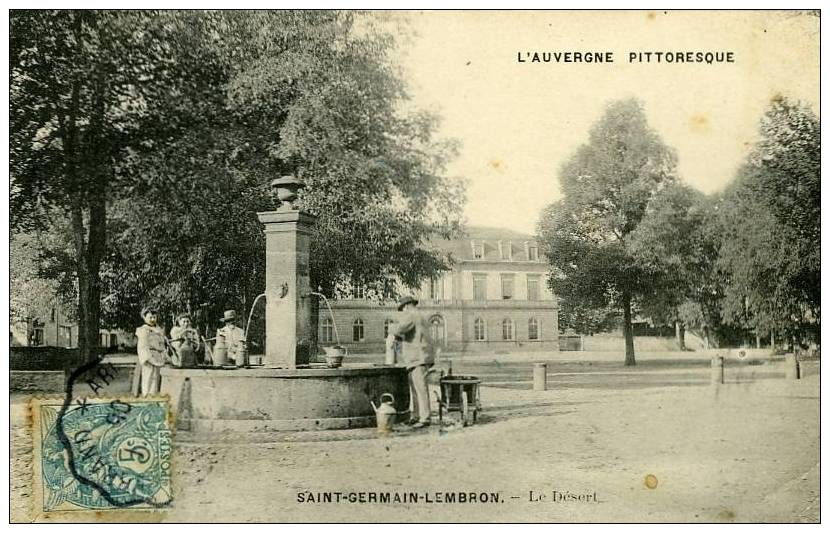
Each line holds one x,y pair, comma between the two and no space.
385,413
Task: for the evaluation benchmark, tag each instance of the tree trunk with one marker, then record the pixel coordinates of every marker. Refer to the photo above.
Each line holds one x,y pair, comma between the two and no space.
680,335
628,330
69,136
88,172
95,254
82,271
89,250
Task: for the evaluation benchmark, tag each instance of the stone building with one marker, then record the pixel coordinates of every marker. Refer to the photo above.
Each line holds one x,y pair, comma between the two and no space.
495,298
56,329
53,329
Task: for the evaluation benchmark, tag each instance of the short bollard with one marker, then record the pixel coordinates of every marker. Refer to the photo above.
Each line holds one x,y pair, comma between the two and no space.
717,370
792,368
540,376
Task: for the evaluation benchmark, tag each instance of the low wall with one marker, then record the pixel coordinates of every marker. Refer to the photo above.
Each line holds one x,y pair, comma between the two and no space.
613,342
52,382
570,343
41,358
378,348
36,381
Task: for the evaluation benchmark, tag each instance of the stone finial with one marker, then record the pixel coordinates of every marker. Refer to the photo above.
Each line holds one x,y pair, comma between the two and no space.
285,189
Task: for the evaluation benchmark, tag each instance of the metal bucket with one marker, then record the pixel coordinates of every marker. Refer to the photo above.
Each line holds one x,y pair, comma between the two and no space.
220,352
334,356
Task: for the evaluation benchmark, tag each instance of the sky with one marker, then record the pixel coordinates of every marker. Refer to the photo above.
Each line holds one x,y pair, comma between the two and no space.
517,122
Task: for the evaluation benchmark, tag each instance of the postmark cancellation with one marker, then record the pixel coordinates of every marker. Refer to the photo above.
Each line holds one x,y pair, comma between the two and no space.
101,454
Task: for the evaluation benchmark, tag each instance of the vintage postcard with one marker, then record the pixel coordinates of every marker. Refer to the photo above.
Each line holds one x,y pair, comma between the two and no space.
279,266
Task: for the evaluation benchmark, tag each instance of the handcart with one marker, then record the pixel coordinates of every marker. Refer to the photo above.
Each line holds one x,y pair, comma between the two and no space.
460,393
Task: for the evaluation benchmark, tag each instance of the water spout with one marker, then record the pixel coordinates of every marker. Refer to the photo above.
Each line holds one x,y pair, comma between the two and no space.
251,314
331,314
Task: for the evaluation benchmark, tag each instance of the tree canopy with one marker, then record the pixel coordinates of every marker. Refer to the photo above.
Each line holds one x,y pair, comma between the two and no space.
678,242
158,132
607,186
745,260
771,250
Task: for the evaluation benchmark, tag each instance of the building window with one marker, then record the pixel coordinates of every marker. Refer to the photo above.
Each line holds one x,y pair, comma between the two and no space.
533,287
436,329
436,289
507,329
65,336
103,340
506,287
532,328
37,337
479,329
479,286
52,317
386,324
478,250
358,292
327,331
358,332
533,253
506,250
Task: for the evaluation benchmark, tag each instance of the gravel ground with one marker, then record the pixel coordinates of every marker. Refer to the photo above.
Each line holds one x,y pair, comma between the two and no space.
746,452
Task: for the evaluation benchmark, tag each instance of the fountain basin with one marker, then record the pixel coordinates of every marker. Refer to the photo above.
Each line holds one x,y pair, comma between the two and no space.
267,399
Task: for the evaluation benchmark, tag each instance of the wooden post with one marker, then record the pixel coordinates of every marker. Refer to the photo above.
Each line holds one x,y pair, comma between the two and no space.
717,370
791,366
540,378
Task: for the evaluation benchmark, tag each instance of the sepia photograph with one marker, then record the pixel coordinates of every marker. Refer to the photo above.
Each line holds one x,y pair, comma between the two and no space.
436,266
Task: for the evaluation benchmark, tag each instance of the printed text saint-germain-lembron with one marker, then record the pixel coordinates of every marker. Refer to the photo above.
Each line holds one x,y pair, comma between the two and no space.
647,57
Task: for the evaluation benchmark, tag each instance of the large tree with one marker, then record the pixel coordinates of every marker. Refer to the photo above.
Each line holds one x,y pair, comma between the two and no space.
202,109
771,248
606,186
85,87
306,93
677,242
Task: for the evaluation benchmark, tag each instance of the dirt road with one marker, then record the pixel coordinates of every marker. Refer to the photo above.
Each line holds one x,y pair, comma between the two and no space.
748,452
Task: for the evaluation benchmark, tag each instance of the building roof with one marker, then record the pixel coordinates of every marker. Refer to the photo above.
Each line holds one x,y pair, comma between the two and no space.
462,248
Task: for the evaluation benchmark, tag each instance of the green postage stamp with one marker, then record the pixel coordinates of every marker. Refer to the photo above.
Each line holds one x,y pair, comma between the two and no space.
101,454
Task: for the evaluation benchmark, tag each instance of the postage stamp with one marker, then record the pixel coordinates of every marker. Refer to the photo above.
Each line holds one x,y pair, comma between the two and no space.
99,454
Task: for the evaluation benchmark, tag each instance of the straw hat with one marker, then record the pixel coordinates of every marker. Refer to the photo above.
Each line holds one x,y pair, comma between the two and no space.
230,315
404,300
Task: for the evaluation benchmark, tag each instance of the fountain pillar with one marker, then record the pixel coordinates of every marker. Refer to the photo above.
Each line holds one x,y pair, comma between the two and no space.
287,287
286,394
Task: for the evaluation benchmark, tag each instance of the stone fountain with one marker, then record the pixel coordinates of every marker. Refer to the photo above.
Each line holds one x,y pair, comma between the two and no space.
289,391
